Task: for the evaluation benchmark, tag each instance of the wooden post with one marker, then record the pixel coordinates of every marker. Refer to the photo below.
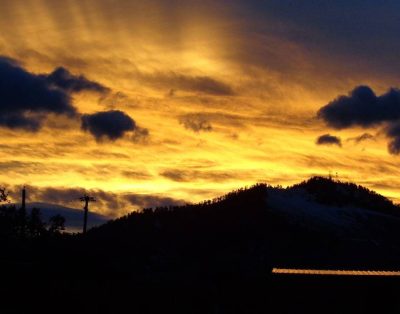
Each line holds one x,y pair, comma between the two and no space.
23,204
86,209
86,199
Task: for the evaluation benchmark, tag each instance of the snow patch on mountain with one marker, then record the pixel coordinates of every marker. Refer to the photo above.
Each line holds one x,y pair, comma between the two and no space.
301,208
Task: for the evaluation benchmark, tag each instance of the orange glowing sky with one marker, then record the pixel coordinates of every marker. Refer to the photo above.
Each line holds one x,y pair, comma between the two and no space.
224,94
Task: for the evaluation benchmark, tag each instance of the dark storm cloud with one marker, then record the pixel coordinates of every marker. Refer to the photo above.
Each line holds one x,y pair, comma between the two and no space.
328,139
176,81
111,124
361,108
195,122
63,79
25,98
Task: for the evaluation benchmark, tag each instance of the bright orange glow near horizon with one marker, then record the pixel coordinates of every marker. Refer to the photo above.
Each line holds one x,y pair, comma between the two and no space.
221,98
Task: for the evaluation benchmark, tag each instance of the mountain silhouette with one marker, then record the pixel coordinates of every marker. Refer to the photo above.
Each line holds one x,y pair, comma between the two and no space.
317,223
217,256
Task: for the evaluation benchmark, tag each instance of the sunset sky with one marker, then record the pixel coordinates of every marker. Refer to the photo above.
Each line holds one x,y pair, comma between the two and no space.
147,103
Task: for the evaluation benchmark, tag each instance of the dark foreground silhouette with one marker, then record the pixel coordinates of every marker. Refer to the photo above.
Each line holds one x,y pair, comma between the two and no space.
217,256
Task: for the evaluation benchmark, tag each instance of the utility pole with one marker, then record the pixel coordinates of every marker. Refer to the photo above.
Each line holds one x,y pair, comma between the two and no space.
86,199
23,204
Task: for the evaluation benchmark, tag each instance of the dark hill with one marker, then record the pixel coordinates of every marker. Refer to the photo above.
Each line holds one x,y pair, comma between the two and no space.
317,223
217,256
